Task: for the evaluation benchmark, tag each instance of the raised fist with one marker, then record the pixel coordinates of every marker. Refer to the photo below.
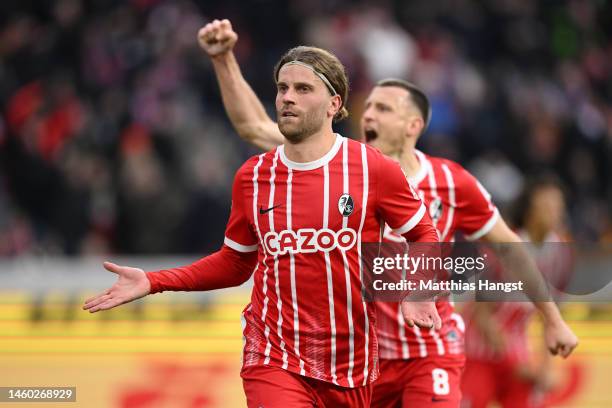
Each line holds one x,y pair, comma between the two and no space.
217,37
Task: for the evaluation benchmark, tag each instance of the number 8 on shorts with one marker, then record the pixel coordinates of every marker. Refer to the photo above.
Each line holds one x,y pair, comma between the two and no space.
440,381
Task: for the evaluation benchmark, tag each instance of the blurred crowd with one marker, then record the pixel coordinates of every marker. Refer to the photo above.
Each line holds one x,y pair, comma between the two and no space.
113,137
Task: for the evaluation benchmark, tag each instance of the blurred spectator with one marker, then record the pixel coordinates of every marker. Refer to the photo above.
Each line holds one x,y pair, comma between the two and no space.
113,137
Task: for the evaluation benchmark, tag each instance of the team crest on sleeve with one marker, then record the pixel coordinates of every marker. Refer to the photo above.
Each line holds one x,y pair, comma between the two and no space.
435,209
345,205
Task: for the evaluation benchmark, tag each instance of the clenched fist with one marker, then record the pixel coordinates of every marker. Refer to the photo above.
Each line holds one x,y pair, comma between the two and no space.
217,37
560,339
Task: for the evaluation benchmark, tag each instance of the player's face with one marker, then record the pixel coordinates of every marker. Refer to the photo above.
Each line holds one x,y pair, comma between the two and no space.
302,103
548,208
385,120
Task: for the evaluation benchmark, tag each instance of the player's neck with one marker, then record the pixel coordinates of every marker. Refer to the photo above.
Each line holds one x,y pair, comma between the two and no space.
408,161
312,148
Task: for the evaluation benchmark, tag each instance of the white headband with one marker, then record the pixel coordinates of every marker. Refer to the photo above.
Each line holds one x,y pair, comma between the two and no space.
317,73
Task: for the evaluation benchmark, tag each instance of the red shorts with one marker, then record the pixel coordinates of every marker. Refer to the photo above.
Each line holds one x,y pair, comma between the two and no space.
419,382
485,382
271,387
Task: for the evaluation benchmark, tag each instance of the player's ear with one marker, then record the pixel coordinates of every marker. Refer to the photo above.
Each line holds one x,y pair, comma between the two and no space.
414,125
335,104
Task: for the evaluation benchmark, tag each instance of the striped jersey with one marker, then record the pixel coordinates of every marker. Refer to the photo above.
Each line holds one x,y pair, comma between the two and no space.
307,221
456,201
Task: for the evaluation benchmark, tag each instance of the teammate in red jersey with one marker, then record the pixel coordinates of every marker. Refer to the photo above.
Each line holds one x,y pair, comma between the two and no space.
299,215
499,365
418,366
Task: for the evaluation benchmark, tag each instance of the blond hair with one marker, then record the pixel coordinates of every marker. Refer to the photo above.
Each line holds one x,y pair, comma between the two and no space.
323,63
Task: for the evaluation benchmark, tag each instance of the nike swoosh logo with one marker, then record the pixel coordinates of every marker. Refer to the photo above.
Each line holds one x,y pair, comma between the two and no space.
262,211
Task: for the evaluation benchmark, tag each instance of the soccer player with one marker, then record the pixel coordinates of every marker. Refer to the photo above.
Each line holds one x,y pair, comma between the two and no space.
499,366
299,215
418,366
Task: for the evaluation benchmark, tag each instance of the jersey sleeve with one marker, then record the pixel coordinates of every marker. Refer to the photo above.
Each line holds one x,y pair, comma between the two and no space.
398,203
476,214
223,269
239,233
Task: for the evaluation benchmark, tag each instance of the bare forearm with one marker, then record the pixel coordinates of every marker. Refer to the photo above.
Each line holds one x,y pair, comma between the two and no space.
241,103
523,267
520,265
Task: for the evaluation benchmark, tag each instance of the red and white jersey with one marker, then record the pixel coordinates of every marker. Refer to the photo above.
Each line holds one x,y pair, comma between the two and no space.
554,261
456,201
307,222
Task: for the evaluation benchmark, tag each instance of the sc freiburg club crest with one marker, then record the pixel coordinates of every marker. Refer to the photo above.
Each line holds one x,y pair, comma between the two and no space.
435,209
345,205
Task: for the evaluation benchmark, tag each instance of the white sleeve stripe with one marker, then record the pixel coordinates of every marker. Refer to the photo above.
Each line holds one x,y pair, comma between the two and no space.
239,247
412,222
484,230
485,194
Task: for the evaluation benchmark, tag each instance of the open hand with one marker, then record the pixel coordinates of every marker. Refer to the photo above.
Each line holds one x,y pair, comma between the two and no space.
132,283
423,314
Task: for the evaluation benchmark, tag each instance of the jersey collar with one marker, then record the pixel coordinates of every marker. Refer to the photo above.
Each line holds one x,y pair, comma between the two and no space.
313,164
423,170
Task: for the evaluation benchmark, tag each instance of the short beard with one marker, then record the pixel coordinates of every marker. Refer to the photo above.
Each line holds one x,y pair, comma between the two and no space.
312,123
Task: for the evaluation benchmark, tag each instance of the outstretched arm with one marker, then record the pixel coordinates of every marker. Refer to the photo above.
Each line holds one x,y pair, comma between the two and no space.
230,266
479,219
243,107
558,336
223,269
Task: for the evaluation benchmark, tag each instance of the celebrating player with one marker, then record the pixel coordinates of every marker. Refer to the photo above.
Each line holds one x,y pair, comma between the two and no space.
299,215
418,366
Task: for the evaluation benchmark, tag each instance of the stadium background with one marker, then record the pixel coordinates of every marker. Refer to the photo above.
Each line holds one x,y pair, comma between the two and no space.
114,145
